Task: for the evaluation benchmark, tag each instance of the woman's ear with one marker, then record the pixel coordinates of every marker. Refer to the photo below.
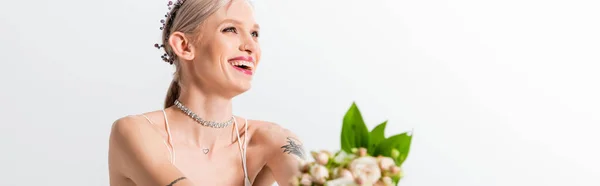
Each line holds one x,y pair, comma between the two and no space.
181,45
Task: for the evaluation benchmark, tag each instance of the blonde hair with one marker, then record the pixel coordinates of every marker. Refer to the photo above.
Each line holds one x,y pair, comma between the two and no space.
186,19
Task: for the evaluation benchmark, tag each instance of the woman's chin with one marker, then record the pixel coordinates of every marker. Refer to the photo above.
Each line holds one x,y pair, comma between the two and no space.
239,82
244,88
241,86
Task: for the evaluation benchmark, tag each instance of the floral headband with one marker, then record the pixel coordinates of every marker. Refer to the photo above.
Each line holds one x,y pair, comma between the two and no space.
166,24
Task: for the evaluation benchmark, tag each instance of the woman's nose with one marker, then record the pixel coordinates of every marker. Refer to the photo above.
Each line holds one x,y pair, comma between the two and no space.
248,46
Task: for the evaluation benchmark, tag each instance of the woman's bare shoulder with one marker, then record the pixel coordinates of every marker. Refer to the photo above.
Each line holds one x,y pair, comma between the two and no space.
271,129
277,137
125,125
128,124
131,130
137,152
281,149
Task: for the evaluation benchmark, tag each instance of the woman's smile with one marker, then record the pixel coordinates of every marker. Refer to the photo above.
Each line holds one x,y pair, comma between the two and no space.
244,64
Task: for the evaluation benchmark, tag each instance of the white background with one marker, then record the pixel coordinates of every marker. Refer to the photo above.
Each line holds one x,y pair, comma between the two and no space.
498,93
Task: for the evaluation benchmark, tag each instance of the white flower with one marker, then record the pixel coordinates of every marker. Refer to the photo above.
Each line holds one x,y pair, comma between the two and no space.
342,157
341,182
319,173
343,173
365,170
385,163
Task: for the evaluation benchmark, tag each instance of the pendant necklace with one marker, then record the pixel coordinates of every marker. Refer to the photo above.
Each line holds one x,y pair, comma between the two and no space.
203,122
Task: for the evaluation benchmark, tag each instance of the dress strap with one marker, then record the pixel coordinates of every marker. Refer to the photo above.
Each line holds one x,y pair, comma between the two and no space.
243,149
169,136
168,143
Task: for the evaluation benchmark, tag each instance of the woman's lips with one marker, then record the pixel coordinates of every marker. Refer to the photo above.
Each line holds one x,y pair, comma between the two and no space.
244,64
242,58
243,70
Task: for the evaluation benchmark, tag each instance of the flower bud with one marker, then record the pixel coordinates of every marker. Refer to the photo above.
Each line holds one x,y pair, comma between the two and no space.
363,180
362,152
305,180
319,174
303,165
314,154
329,154
395,153
295,181
339,158
321,157
396,171
385,163
385,181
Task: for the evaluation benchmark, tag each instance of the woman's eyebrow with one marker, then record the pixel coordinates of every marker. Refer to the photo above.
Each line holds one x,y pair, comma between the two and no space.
256,26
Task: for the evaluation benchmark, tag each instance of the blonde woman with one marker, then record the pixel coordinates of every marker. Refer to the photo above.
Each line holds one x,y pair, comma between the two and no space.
196,140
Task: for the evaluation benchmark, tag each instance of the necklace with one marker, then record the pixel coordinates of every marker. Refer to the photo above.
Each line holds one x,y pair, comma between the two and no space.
203,122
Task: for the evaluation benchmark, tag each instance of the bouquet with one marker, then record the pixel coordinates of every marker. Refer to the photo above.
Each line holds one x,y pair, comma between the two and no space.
365,158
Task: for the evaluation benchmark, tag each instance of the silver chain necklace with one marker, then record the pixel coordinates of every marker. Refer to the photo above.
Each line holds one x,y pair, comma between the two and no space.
203,122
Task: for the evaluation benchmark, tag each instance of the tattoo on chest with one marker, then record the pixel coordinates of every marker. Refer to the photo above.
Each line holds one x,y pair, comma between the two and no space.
294,146
176,180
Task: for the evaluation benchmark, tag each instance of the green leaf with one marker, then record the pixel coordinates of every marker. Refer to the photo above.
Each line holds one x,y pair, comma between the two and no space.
400,142
354,131
375,137
404,149
396,180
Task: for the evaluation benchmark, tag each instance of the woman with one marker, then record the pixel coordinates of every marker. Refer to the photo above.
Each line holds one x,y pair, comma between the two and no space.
196,140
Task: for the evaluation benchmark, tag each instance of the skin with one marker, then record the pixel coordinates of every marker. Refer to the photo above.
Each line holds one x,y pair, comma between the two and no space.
137,151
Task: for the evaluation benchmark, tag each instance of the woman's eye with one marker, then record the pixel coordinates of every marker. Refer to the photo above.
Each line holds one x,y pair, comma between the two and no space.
255,34
230,29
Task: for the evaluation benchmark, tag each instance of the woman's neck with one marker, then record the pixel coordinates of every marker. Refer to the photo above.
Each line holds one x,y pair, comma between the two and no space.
209,107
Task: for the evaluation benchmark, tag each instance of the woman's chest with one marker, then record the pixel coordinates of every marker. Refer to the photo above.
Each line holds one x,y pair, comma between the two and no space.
219,167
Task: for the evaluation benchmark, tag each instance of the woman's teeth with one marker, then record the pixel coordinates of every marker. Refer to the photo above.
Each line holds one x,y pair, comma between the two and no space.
243,64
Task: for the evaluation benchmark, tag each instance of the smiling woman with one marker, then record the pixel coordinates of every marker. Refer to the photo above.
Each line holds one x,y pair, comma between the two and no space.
196,139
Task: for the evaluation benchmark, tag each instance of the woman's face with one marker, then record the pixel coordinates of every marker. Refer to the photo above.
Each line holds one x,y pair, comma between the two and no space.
227,50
